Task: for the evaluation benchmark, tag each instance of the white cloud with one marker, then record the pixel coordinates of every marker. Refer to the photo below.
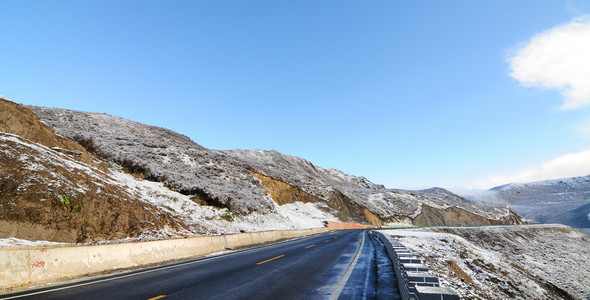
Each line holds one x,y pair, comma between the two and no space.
558,58
569,165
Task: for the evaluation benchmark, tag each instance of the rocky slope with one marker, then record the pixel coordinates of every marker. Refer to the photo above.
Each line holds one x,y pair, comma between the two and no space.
565,201
125,179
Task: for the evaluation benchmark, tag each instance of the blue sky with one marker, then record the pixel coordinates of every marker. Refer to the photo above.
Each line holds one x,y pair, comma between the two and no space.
410,94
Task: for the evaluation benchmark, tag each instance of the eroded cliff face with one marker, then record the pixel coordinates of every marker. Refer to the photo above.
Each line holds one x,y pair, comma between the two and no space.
432,216
373,219
350,211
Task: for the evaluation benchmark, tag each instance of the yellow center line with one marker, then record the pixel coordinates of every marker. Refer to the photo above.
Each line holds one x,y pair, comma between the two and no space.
270,259
157,297
309,246
326,241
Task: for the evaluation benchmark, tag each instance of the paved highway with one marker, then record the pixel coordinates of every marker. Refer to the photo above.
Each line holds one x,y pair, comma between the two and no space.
338,265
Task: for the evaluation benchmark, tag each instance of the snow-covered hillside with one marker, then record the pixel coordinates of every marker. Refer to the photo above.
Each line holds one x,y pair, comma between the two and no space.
164,156
558,190
226,178
505,262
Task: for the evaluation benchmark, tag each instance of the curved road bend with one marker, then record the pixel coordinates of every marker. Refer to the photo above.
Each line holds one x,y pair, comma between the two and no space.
328,266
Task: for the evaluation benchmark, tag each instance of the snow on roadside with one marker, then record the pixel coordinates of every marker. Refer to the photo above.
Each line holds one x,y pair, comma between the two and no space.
14,242
219,253
288,216
505,262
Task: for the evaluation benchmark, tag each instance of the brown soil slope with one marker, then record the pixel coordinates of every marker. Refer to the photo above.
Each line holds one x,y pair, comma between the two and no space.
52,189
19,120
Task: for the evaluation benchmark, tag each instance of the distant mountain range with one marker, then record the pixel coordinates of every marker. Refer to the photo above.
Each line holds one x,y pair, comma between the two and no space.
564,201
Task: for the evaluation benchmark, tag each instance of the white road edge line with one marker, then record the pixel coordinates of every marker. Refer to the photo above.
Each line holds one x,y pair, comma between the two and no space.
148,271
344,279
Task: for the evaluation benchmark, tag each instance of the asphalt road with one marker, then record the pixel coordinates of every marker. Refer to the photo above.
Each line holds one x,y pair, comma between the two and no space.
339,265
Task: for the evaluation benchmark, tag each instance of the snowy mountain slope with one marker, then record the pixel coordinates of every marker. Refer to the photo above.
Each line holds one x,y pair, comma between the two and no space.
565,201
558,190
239,180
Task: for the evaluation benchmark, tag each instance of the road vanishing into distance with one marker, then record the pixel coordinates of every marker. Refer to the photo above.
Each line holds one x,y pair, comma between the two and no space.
350,264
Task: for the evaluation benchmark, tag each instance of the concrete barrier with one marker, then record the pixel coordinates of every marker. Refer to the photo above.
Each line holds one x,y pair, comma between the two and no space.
414,281
21,267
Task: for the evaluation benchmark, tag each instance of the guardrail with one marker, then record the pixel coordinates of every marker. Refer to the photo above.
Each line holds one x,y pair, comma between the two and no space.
414,281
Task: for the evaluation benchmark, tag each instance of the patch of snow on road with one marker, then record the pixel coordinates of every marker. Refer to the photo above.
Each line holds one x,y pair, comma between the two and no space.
219,253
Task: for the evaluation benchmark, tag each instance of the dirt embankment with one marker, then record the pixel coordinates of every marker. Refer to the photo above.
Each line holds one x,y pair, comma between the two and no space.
19,120
432,216
346,209
350,211
53,189
282,192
